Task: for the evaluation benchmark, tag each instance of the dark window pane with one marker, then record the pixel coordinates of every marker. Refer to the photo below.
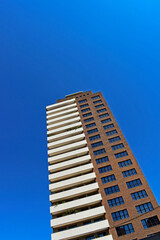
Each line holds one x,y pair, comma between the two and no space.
120,215
102,160
125,229
150,222
98,152
134,183
121,154
111,190
115,139
139,195
115,201
96,144
129,172
125,163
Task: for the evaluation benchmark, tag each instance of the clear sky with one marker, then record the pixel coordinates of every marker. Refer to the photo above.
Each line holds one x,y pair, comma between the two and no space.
52,48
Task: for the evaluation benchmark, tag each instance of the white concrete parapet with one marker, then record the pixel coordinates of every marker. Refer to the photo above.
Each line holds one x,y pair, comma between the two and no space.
72,182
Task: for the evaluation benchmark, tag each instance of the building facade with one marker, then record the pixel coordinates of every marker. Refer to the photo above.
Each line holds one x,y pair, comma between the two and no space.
98,190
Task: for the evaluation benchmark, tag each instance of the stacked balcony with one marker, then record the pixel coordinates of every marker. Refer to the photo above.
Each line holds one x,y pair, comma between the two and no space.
75,198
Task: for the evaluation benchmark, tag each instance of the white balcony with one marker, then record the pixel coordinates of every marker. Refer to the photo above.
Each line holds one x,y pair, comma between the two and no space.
76,204
64,113
61,109
66,141
68,155
60,119
65,128
83,231
75,192
78,217
108,237
64,123
60,104
70,172
69,164
67,148
64,135
72,182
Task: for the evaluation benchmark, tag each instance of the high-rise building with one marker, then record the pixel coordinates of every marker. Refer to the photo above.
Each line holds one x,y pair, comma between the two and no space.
98,190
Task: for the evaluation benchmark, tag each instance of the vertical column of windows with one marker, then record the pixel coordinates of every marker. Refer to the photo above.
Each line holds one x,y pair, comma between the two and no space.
128,228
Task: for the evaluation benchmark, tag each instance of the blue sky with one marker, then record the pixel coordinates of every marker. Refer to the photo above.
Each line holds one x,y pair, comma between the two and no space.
53,48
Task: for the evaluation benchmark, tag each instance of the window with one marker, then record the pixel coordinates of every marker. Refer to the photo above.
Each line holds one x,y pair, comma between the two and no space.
104,115
105,169
92,131
101,110
118,146
102,160
139,195
83,101
150,222
152,234
121,154
98,219
109,126
115,201
107,179
125,229
99,106
115,139
129,172
89,119
98,152
111,190
84,105
106,120
62,229
134,183
120,215
90,125
85,110
86,115
143,208
72,226
111,132
94,137
90,238
95,236
125,163
99,101
95,97
96,144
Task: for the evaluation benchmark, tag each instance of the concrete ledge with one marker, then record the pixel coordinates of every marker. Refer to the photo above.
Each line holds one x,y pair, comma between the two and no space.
82,202
64,135
56,105
72,182
69,164
83,231
77,217
71,172
56,115
69,155
67,148
60,109
75,192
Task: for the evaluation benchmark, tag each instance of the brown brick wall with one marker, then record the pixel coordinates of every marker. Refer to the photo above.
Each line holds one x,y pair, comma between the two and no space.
129,204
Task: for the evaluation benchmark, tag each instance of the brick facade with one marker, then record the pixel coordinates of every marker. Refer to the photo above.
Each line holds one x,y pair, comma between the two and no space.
129,204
